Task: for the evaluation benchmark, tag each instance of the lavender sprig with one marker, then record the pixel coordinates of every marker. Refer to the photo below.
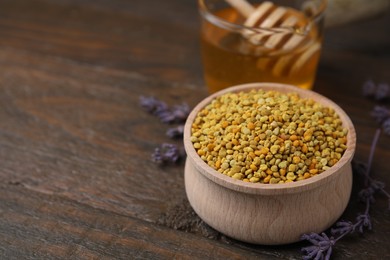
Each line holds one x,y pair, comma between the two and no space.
382,91
181,112
369,88
322,245
380,113
378,92
175,132
177,114
153,105
168,115
166,153
364,220
343,227
372,186
386,126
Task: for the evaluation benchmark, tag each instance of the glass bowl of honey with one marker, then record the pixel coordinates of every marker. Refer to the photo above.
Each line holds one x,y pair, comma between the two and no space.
261,41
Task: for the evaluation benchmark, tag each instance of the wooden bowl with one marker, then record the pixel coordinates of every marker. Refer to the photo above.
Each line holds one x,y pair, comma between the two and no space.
268,214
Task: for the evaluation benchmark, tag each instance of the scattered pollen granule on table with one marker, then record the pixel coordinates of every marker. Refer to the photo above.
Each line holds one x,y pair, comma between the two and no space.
268,136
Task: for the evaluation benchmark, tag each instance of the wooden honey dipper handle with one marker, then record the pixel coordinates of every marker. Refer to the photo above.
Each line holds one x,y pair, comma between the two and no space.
267,15
263,18
242,6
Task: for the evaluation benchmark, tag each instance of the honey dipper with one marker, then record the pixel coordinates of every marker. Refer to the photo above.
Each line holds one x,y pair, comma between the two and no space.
282,37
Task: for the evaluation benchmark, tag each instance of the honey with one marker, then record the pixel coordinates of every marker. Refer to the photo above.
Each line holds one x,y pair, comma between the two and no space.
230,58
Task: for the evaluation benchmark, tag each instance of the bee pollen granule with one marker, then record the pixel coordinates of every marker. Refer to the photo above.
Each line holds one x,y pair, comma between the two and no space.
268,137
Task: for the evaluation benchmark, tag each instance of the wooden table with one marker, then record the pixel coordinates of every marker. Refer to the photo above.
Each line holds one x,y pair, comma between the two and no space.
76,178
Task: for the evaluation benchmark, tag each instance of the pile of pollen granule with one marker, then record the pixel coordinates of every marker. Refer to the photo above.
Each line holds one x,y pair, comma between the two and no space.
268,137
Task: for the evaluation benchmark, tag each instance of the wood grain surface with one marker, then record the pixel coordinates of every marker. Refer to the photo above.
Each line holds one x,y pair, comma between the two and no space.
76,178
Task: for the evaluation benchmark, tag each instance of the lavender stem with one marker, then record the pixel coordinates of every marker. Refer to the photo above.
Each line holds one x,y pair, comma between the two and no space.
368,203
371,155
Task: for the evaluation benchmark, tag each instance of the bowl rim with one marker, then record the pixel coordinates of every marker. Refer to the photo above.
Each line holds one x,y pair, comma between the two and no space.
270,189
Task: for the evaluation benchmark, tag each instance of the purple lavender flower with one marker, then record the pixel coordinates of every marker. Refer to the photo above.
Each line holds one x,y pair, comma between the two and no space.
380,113
359,167
377,185
175,131
379,92
382,91
343,227
386,126
181,112
369,88
321,247
346,227
152,105
367,194
166,153
176,114
166,114
363,221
